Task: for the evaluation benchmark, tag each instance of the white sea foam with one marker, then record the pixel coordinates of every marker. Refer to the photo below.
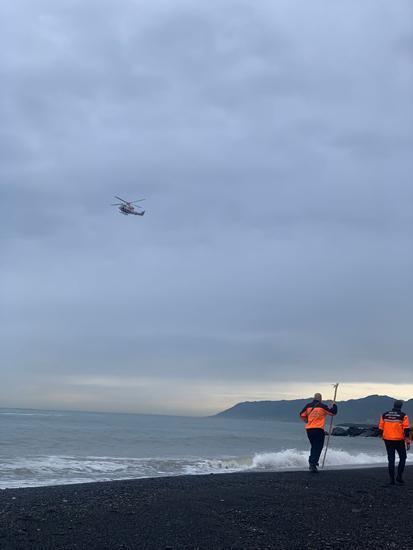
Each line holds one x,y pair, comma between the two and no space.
284,460
292,458
54,470
51,470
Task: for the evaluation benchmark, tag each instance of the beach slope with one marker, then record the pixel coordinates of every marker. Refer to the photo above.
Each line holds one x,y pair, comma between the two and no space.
334,509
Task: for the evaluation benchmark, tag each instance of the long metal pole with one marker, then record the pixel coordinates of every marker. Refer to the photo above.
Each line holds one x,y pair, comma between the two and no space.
331,427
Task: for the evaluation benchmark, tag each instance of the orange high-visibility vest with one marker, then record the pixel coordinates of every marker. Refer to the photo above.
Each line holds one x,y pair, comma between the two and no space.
394,425
315,413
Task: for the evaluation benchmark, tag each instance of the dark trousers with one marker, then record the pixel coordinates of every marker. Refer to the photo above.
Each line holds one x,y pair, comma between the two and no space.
392,447
316,437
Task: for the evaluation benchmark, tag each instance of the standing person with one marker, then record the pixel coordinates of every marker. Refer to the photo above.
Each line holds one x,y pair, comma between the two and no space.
395,432
314,414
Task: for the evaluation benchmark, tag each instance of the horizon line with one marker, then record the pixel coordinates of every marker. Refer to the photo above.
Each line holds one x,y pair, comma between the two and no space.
189,415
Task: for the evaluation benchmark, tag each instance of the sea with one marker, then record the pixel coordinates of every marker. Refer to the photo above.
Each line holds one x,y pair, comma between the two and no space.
54,447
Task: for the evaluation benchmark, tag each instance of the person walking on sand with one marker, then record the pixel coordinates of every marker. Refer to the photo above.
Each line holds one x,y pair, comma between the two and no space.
395,432
314,415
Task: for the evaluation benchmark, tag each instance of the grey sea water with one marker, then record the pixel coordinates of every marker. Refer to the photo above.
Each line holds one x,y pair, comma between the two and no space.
51,447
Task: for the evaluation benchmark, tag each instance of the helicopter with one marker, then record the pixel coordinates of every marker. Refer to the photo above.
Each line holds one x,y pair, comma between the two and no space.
128,207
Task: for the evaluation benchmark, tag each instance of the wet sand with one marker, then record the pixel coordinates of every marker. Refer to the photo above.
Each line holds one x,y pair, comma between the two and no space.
352,509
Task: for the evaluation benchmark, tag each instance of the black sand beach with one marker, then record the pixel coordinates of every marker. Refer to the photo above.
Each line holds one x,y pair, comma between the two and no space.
334,509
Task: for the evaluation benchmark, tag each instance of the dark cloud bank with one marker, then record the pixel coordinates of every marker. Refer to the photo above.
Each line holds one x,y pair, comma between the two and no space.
273,143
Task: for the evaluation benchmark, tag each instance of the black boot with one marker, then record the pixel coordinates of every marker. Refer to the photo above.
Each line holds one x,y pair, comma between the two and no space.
313,469
399,480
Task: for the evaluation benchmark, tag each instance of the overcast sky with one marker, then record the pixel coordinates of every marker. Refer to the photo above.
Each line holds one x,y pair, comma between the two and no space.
273,143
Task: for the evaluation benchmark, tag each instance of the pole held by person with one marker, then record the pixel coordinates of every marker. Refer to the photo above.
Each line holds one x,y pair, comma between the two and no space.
330,429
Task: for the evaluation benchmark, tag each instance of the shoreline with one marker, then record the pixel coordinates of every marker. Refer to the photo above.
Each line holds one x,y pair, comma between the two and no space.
335,468
348,508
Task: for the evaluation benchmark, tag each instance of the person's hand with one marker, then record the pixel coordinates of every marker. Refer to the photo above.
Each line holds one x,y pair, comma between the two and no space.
408,445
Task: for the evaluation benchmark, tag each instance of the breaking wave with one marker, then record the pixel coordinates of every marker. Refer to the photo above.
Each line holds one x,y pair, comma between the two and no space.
288,459
56,470
291,458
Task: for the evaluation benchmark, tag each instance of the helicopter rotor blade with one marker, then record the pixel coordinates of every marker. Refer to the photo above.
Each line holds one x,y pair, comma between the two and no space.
139,200
117,204
123,200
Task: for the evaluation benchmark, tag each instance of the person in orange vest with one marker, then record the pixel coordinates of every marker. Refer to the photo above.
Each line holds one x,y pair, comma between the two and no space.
314,415
395,432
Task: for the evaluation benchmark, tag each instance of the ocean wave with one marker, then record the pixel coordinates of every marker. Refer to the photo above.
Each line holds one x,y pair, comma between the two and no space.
292,458
286,459
56,470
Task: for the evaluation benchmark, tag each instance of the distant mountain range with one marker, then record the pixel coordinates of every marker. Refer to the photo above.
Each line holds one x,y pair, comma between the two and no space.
365,410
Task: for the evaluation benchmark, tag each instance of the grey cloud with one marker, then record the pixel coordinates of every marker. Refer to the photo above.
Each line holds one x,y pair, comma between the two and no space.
273,147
